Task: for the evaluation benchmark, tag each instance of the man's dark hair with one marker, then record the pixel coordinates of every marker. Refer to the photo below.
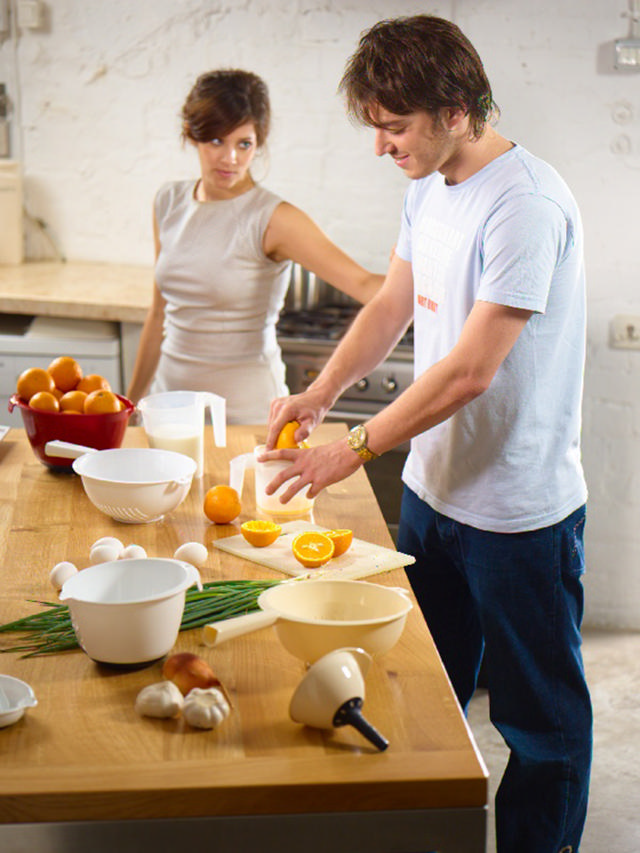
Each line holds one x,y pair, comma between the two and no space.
409,64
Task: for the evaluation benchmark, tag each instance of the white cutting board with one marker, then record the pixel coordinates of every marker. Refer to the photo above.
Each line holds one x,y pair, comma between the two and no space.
361,560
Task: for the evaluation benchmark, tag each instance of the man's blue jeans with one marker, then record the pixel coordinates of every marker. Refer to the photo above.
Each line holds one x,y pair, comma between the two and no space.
517,598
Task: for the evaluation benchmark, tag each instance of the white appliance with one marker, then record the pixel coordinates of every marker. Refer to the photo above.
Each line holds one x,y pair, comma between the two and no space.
27,341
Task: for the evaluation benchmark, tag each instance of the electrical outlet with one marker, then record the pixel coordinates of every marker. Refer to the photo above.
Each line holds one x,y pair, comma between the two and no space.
625,331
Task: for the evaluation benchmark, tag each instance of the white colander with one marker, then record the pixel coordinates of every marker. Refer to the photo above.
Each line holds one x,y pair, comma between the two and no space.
133,485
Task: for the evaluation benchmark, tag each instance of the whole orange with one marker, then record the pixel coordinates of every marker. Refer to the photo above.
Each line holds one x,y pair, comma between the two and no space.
45,402
101,403
222,504
93,382
32,380
65,372
73,401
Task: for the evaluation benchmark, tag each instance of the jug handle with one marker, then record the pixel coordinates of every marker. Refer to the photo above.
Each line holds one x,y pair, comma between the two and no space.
237,467
218,408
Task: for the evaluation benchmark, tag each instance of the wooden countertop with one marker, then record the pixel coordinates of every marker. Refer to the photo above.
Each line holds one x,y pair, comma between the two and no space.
83,753
89,291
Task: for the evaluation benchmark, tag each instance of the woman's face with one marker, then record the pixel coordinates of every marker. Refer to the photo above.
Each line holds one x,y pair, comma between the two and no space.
224,162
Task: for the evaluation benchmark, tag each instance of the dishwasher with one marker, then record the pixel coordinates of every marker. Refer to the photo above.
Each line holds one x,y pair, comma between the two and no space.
28,341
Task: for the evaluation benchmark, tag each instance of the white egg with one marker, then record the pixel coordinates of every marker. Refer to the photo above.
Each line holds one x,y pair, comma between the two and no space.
103,554
133,552
192,552
111,541
60,573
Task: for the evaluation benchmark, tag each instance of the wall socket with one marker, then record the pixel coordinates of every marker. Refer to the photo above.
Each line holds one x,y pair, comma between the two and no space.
624,332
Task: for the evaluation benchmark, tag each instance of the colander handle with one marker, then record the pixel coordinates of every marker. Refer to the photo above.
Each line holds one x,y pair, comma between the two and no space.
66,449
228,629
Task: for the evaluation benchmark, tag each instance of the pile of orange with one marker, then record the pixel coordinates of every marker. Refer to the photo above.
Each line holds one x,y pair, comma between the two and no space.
62,387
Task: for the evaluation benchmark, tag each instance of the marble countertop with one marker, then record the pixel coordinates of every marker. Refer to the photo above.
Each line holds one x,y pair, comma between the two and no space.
84,290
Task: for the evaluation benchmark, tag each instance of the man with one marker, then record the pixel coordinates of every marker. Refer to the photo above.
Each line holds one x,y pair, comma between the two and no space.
489,266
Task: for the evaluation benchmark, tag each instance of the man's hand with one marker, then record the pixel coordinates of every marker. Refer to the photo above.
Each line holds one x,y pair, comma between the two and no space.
312,469
307,408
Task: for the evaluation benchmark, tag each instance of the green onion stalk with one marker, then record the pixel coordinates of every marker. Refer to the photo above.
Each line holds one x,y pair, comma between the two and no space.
50,631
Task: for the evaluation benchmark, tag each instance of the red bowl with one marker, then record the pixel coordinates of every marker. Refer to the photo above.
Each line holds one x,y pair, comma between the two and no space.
99,431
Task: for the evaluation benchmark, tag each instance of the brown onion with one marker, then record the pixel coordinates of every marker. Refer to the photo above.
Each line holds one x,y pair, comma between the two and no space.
187,671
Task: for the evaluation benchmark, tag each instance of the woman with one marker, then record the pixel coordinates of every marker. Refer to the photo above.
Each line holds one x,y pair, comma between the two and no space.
224,247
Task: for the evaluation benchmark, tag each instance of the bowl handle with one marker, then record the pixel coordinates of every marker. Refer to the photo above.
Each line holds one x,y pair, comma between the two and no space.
66,449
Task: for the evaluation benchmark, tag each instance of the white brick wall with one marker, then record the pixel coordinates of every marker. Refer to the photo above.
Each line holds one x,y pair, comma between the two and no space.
102,84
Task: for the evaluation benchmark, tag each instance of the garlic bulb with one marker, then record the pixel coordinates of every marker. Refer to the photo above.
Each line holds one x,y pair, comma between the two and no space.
205,708
162,700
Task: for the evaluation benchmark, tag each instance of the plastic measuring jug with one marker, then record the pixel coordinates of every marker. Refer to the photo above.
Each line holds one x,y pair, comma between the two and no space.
174,420
299,504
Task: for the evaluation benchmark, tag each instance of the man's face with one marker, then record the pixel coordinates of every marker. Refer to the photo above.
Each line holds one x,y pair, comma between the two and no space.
419,143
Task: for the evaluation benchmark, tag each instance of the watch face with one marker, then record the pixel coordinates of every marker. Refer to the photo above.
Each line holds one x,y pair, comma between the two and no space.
357,436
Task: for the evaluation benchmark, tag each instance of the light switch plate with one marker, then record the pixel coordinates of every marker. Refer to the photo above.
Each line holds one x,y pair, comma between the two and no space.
627,54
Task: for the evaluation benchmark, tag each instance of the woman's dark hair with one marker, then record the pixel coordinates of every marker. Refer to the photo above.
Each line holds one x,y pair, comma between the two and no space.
222,100
417,63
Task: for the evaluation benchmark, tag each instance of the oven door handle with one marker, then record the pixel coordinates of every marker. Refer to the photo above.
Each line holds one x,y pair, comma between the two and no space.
345,415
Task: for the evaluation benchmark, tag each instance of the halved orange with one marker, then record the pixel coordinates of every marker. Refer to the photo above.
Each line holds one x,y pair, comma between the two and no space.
341,539
285,438
260,533
312,549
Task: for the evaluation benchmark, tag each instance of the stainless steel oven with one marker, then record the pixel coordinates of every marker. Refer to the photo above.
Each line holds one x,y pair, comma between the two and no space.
308,336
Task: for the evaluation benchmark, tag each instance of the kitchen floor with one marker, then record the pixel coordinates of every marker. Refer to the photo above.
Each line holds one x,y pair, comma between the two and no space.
612,663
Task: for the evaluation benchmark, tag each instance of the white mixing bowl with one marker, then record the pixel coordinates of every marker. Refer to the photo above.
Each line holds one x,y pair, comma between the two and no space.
129,611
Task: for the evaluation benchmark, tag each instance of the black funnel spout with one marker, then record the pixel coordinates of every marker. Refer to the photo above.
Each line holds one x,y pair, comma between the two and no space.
350,714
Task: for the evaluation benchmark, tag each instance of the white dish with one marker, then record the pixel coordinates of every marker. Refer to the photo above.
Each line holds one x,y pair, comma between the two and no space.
3,431
15,697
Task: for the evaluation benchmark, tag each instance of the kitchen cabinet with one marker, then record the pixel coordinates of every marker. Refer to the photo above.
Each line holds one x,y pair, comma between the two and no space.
81,771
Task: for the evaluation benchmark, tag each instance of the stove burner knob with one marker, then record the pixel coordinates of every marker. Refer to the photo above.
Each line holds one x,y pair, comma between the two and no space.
389,384
362,384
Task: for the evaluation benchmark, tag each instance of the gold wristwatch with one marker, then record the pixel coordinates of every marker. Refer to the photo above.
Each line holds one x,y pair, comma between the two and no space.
357,440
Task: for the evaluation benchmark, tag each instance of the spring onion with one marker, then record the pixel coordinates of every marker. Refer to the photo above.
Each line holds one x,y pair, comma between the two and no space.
50,631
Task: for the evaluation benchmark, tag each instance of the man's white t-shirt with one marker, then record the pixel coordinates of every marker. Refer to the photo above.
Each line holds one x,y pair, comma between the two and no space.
511,234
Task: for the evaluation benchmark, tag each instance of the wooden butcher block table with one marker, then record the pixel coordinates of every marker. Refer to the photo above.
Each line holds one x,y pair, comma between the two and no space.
81,771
